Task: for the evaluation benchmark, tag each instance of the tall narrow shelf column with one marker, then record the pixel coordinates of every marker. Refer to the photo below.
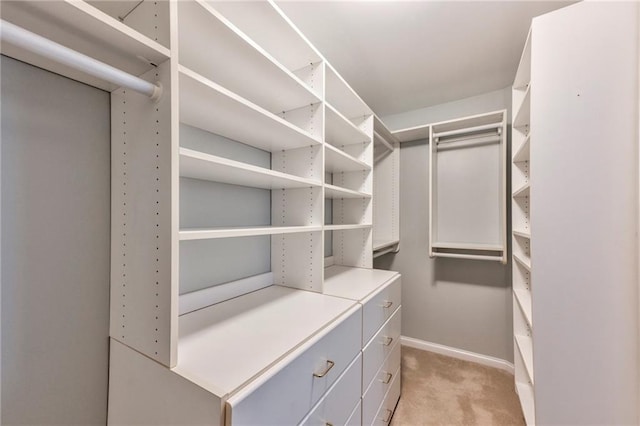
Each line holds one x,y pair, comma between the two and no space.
521,235
574,180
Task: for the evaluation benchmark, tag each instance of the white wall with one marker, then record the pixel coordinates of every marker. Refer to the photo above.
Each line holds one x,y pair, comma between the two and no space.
55,248
460,303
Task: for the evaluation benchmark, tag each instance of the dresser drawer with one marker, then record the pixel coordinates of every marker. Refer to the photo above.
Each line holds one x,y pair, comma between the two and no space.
356,416
336,406
381,383
379,308
287,392
379,348
388,406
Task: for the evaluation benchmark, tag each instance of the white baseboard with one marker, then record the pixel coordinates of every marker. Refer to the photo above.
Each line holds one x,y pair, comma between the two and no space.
489,361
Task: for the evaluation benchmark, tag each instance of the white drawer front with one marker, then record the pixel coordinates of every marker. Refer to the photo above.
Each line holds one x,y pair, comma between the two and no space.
379,308
380,347
356,416
336,406
384,414
381,384
287,396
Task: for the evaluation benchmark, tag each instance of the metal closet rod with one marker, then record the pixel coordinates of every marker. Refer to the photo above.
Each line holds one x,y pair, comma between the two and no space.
32,42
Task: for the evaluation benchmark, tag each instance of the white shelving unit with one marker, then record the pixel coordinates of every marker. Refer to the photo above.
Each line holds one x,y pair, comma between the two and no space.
386,191
521,239
219,192
467,187
575,261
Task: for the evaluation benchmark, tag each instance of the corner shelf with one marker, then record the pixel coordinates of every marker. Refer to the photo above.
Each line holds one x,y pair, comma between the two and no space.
210,107
198,165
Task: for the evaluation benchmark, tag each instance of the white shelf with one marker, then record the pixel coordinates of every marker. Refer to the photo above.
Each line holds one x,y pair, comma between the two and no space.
236,62
522,117
524,300
217,344
523,153
76,25
412,133
208,106
523,191
381,244
198,165
346,227
522,234
354,283
468,246
523,75
332,191
523,262
381,131
378,140
265,24
337,160
342,97
525,347
340,131
251,231
525,393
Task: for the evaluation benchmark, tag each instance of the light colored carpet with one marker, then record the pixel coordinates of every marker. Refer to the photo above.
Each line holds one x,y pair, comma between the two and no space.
439,390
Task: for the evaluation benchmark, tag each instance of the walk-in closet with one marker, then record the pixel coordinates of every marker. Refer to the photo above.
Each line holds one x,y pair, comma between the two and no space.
319,213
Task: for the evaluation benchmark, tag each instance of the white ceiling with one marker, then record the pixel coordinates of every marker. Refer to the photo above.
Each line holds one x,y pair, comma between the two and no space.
401,55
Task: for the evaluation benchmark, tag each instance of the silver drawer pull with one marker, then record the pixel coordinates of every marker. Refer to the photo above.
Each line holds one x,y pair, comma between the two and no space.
330,365
387,304
387,341
389,414
387,379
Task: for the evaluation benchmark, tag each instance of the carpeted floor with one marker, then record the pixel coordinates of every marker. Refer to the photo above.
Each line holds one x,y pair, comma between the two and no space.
439,390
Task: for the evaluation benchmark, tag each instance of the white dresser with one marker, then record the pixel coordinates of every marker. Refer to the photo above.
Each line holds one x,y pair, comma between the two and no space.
277,356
